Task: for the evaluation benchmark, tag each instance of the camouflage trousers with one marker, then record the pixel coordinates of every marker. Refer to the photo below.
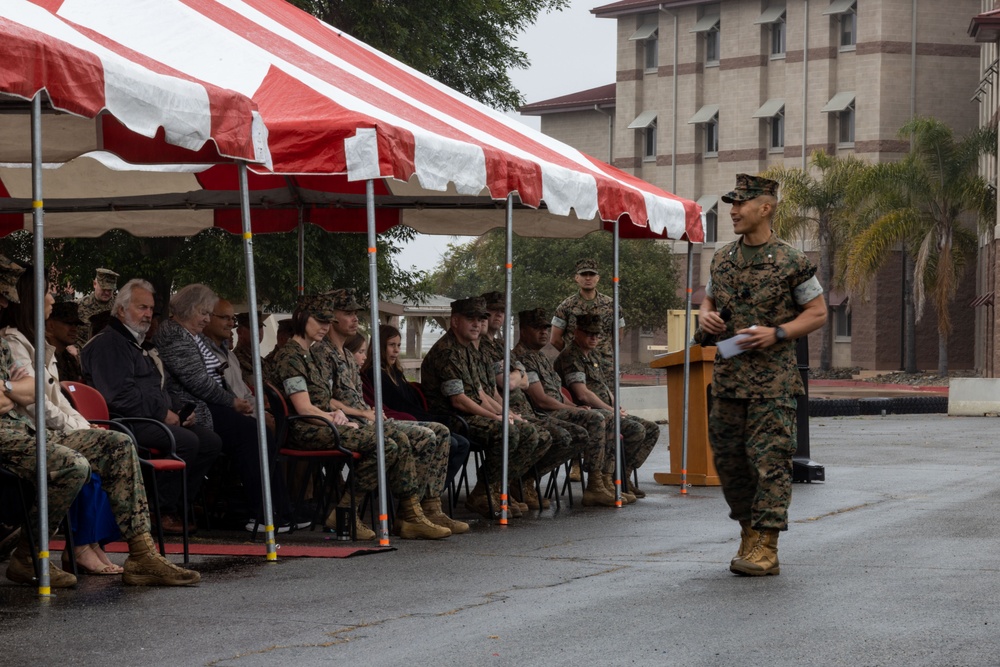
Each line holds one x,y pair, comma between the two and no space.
70,457
401,470
639,436
753,441
598,446
567,441
526,445
430,444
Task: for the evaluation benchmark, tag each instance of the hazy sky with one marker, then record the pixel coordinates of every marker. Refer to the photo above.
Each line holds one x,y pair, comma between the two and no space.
571,50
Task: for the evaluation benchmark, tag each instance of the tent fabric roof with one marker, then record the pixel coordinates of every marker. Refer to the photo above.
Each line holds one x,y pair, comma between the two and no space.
334,106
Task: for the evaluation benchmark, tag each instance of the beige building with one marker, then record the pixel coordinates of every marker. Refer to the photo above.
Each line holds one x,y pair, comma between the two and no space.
706,90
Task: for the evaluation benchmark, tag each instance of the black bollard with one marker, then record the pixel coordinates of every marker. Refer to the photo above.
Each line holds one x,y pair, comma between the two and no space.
804,469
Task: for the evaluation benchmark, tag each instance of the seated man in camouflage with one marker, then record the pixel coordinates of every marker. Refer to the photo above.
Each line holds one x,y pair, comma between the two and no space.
70,457
545,393
428,442
580,368
559,441
453,382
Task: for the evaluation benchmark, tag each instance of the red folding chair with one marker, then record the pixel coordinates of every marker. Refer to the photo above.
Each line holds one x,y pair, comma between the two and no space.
91,404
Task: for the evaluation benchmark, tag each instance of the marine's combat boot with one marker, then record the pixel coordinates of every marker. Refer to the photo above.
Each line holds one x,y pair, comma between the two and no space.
632,487
361,530
478,502
596,494
413,525
432,510
513,507
762,559
21,569
748,538
609,484
146,567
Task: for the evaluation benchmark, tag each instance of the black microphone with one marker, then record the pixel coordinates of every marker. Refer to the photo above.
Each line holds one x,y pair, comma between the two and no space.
708,339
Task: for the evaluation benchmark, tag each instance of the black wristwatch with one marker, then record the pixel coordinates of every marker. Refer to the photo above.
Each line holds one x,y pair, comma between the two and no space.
780,334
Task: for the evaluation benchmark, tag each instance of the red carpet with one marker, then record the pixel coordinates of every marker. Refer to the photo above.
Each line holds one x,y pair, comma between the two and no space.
246,549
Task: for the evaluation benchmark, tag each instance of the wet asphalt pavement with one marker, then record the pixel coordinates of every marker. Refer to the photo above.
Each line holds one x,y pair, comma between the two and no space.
892,561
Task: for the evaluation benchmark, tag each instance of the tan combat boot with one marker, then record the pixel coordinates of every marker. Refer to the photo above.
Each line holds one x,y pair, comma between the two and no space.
361,530
146,567
596,494
530,498
432,510
762,559
477,502
575,474
748,539
413,525
609,484
21,569
632,487
514,510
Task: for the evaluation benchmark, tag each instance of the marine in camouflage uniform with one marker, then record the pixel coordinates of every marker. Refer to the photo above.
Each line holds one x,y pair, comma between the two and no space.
598,425
454,368
766,284
565,317
576,365
98,301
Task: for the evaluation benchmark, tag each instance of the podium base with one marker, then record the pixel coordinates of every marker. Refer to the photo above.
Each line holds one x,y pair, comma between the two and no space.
694,479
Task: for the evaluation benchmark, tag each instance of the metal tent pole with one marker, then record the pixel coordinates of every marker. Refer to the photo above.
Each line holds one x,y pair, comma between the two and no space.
374,350
258,378
687,372
509,270
38,219
302,253
616,343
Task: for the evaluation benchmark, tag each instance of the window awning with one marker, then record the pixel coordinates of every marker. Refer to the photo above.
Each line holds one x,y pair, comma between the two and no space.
706,23
643,120
773,14
706,114
645,31
708,202
770,109
839,102
839,7
836,298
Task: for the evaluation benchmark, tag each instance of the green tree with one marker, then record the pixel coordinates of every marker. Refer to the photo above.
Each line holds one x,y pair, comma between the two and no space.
467,45
924,202
216,258
544,268
818,207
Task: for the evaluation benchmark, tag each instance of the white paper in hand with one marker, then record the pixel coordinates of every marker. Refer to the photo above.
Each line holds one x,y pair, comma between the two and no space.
730,347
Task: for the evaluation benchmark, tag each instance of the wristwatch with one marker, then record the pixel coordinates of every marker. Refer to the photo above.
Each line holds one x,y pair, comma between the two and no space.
780,334
8,387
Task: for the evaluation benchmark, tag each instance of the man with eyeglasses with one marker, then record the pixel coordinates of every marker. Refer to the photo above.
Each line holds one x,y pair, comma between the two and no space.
219,332
580,368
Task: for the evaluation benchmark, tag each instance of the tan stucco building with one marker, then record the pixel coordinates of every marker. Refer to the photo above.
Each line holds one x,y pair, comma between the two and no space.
706,90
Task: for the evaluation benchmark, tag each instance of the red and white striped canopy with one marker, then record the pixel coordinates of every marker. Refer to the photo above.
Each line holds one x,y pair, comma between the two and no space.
337,112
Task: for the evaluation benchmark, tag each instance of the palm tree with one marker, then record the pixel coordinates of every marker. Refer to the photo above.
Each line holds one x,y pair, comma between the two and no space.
818,207
924,202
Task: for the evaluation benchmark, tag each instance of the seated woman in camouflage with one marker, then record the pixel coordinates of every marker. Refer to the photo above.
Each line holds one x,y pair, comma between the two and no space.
304,378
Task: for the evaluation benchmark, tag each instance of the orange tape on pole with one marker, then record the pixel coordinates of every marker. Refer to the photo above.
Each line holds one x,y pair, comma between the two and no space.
372,249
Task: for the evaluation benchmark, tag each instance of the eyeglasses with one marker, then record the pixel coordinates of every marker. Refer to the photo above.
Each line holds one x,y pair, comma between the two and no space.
227,318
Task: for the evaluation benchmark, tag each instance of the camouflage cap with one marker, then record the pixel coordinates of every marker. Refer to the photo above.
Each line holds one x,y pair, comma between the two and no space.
67,312
9,273
243,319
587,265
535,318
344,299
107,279
748,187
285,325
474,306
495,301
589,323
318,306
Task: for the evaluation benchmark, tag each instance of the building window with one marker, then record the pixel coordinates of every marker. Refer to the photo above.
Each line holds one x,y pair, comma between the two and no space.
774,18
710,208
773,111
846,14
841,321
842,105
708,118
708,26
778,37
645,123
647,38
777,131
846,129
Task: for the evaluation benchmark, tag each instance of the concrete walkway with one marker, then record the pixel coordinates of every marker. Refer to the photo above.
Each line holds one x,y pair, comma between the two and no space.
891,561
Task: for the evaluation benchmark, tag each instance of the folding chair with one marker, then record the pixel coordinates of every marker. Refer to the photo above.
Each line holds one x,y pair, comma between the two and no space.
315,458
90,403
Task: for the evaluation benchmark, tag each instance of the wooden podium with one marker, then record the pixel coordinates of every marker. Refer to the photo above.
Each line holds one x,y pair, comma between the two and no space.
700,467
